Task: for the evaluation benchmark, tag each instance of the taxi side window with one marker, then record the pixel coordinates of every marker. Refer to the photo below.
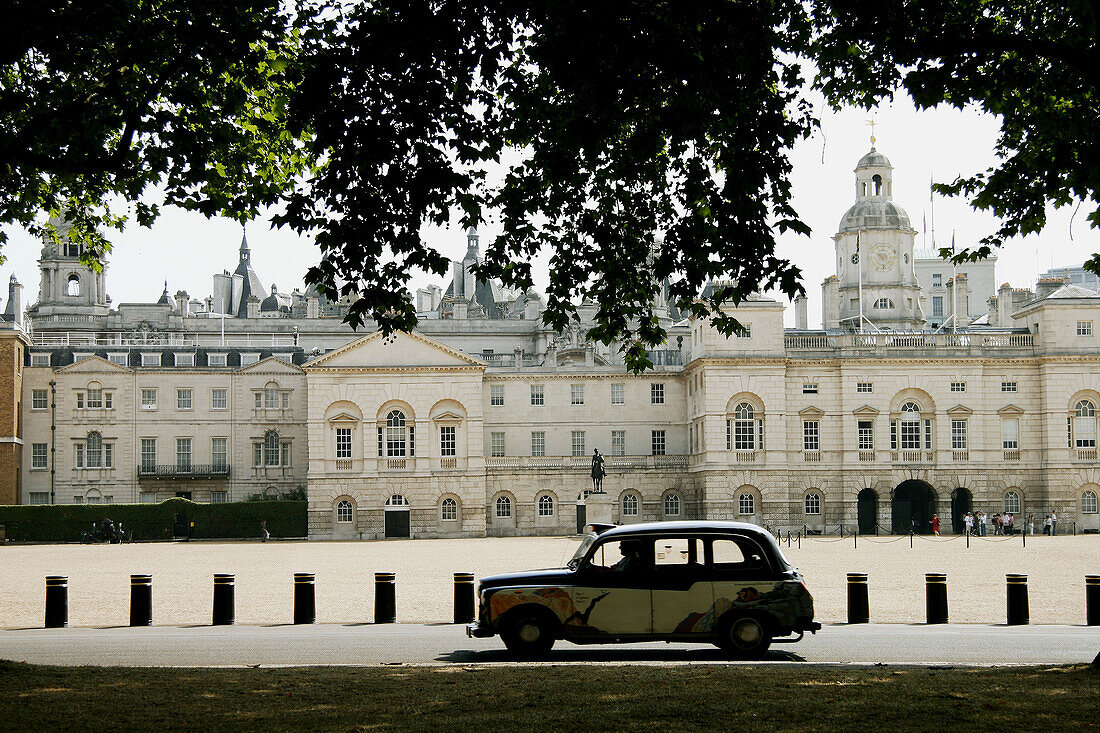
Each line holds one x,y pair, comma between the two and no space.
607,556
732,558
727,553
678,552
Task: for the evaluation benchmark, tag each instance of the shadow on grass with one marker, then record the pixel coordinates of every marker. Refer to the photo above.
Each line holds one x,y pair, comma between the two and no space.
612,654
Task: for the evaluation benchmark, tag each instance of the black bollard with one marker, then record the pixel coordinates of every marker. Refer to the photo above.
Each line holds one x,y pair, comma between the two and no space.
141,600
858,610
305,599
385,602
223,600
57,601
464,598
1092,600
1018,614
935,597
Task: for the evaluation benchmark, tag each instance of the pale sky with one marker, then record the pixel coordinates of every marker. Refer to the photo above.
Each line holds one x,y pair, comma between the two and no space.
187,249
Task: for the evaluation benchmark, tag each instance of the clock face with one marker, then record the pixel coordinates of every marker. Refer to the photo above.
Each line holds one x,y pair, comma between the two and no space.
855,258
883,258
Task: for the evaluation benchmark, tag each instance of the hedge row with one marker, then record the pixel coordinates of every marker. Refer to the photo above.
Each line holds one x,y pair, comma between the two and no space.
68,522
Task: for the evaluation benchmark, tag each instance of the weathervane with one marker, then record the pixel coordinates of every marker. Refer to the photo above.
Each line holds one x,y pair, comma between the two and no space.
872,123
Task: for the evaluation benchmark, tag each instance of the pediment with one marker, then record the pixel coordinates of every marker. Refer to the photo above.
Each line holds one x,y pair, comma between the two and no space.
1010,410
271,365
865,411
344,417
398,350
448,416
94,364
811,412
960,411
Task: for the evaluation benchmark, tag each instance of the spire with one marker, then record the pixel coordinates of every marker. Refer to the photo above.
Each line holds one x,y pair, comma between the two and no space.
164,297
246,253
473,248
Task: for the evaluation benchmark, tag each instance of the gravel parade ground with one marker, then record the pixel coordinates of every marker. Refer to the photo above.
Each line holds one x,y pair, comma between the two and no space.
182,576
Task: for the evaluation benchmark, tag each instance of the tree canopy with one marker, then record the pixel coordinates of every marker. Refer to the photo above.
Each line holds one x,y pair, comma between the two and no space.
643,146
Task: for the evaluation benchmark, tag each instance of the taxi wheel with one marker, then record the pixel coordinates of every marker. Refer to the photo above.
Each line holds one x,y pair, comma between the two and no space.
528,635
746,637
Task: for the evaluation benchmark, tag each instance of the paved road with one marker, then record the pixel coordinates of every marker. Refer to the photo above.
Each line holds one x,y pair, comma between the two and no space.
200,646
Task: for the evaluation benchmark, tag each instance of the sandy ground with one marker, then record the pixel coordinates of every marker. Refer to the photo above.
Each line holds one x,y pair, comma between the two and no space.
182,576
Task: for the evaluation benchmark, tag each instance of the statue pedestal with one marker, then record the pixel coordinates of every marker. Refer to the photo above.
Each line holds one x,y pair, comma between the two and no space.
597,509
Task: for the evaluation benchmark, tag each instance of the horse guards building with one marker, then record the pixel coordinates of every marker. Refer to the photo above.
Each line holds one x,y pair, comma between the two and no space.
928,390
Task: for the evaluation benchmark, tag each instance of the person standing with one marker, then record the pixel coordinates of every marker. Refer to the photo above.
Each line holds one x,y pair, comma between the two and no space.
968,520
985,523
264,534
1031,524
1053,524
1046,525
936,524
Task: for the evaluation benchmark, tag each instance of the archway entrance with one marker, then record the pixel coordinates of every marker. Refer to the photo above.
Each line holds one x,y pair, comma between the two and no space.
961,503
912,507
397,517
867,511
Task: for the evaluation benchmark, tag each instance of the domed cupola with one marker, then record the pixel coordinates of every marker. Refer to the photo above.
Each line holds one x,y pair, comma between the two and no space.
874,207
271,302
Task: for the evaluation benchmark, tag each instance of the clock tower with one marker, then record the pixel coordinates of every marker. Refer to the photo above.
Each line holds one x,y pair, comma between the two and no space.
874,248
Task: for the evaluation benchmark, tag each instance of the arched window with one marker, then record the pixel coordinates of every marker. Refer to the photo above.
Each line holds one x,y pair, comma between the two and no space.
93,446
672,505
72,287
504,507
448,510
884,303
1012,502
1088,502
271,448
741,431
546,506
746,503
630,505
396,435
813,503
1084,425
397,500
876,182
271,396
343,511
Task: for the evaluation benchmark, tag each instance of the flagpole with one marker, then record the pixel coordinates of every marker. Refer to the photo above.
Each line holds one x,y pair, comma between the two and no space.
954,287
859,261
932,207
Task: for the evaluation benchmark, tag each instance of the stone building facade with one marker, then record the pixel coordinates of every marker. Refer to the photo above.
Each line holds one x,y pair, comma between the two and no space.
484,421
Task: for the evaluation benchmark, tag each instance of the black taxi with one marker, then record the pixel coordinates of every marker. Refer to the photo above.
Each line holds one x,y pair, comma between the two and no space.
726,583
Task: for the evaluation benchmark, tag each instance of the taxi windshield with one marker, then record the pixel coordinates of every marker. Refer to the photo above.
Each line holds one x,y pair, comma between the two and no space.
581,551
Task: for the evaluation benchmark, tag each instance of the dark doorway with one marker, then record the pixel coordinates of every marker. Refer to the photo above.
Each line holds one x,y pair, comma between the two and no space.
961,504
397,523
867,511
582,513
181,527
912,508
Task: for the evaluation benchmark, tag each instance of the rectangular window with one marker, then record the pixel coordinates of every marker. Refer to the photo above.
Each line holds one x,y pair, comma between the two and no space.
448,441
343,443
80,400
496,395
865,435
40,360
95,398
958,386
109,400
284,400
183,399
218,398
958,435
148,399
538,396
286,454
150,360
271,399
185,360
148,455
40,497
618,442
78,455
1010,433
809,388
496,444
618,394
219,452
216,360
810,436
937,280
864,387
148,497
1008,386
39,454
937,306
576,394
538,443
578,443
910,434
117,358
183,454
218,497
745,332
108,455
1084,328
657,442
40,399
657,393
258,454
247,359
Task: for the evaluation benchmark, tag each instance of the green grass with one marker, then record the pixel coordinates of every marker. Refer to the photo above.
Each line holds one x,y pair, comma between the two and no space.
550,697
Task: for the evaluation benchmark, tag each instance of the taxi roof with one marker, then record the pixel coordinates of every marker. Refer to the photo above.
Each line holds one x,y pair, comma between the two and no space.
702,527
